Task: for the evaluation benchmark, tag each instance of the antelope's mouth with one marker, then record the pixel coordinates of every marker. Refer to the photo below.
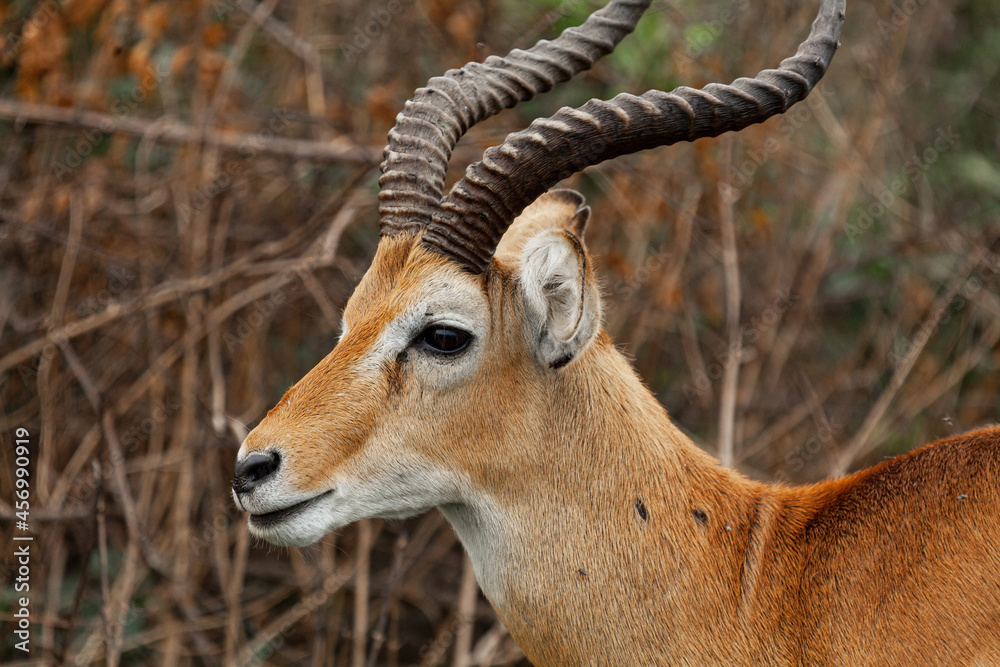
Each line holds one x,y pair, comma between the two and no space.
269,519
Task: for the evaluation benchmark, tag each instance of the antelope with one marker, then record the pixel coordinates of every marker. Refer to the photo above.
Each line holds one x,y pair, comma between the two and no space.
472,375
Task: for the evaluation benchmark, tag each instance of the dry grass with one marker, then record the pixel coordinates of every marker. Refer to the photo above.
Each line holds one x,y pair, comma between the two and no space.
177,256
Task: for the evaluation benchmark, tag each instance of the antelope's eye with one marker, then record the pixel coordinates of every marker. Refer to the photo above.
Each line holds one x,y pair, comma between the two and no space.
445,340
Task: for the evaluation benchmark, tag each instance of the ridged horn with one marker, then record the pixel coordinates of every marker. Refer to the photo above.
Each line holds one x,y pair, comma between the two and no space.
483,204
436,117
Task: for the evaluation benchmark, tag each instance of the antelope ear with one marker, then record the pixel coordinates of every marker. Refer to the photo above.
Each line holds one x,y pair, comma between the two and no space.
556,209
561,299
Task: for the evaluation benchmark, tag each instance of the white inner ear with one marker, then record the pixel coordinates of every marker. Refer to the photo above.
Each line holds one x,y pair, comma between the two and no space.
552,277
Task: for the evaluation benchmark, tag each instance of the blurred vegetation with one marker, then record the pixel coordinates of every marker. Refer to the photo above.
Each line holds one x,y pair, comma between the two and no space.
171,263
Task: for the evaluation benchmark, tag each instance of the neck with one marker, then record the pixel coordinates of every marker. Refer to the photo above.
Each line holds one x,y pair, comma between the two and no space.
613,511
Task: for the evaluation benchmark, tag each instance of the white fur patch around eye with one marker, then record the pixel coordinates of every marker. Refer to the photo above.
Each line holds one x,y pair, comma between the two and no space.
396,336
458,311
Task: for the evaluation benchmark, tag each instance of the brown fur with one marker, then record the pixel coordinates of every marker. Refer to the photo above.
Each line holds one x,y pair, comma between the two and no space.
622,543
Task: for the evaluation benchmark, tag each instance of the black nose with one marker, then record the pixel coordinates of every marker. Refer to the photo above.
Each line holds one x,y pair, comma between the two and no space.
255,469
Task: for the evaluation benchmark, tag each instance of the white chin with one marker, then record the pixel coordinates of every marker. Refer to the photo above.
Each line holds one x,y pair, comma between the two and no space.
285,535
300,529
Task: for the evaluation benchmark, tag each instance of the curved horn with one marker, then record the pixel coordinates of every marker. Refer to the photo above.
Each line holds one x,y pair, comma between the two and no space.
481,206
437,116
